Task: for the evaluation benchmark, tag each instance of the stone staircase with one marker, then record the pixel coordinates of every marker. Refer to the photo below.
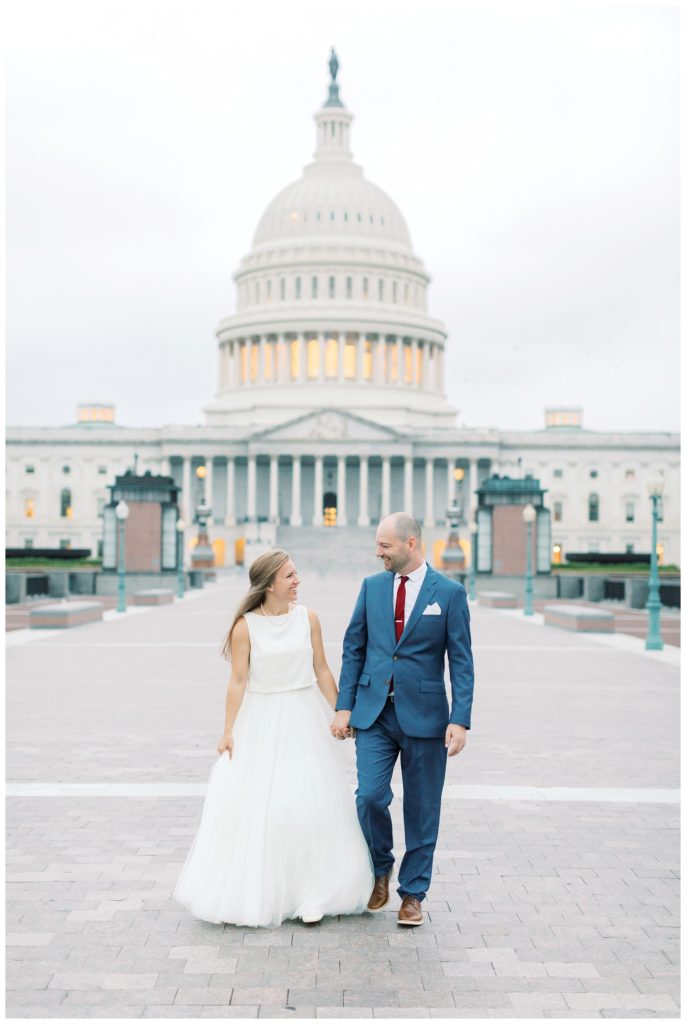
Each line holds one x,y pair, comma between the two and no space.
321,550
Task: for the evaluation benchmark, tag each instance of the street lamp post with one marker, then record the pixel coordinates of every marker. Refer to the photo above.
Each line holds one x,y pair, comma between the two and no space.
121,511
473,530
528,515
180,583
654,638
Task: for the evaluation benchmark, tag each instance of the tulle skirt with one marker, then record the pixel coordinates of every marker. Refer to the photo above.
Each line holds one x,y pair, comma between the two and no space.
279,836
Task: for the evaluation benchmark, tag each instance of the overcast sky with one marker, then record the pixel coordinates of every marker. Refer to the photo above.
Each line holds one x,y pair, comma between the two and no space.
532,149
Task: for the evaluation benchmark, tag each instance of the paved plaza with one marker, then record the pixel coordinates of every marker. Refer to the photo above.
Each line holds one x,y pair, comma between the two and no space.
556,877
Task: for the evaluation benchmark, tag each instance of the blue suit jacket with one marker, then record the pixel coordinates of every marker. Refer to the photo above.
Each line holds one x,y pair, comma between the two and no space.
371,657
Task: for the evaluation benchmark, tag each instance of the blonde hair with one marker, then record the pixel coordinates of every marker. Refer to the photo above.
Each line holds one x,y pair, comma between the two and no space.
262,574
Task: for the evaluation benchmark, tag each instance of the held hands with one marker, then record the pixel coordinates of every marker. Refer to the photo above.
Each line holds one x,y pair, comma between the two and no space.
340,727
225,745
455,739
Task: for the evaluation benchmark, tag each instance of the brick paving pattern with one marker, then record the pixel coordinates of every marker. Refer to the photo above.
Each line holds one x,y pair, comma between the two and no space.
538,907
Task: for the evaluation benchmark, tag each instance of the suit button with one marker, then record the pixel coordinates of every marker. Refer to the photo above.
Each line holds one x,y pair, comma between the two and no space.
395,657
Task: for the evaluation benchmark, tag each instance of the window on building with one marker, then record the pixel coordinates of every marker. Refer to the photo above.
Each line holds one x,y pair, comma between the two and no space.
419,364
257,292
394,291
407,362
298,287
380,290
269,290
348,287
295,359
254,357
28,542
367,359
629,548
29,469
557,512
593,547
365,287
269,360
313,358
314,287
102,470
29,508
332,216
630,512
65,504
101,502
593,474
557,473
319,215
345,215
331,358
593,508
407,292
359,218
332,287
65,544
350,357
244,361
66,469
282,289
630,474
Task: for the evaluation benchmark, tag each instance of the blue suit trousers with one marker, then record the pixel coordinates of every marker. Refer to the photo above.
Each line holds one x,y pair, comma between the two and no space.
423,763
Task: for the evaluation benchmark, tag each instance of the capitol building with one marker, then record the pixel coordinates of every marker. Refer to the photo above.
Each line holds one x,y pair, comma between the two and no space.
330,407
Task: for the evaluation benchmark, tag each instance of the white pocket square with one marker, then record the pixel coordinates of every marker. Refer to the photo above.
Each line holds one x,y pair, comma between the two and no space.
432,609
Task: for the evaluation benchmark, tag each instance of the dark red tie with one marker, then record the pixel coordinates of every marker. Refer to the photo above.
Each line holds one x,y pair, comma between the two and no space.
400,608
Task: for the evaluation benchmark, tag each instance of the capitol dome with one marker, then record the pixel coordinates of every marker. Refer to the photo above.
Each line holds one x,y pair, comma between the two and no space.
331,301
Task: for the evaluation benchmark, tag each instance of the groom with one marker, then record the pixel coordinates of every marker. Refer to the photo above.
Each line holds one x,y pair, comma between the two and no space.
392,694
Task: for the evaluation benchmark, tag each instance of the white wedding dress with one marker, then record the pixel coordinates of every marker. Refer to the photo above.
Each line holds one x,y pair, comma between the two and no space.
279,836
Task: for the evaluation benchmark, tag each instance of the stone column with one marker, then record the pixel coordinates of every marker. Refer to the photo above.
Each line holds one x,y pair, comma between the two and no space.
385,485
165,466
317,518
363,519
282,359
341,515
451,481
261,358
429,499
233,363
401,364
252,489
296,513
274,488
379,359
303,357
221,375
425,367
441,357
341,350
473,484
186,497
359,375
230,491
408,496
415,377
248,360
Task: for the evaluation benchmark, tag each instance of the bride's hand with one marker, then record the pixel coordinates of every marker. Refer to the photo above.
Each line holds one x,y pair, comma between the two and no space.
225,745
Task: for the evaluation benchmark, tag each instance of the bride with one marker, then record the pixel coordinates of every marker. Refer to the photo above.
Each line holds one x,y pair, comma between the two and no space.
279,836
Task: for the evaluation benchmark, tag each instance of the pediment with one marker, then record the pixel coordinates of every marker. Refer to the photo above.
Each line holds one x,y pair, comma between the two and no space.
329,425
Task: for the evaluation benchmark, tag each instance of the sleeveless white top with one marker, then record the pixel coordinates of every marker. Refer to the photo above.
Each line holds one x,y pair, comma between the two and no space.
280,651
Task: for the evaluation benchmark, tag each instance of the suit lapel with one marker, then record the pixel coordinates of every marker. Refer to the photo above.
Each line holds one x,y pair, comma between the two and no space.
388,606
423,599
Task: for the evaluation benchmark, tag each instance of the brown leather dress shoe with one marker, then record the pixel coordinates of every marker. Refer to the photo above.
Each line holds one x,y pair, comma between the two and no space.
410,911
380,895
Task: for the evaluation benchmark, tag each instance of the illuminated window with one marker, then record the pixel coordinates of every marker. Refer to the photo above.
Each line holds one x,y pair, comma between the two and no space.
629,512
313,358
279,358
332,287
660,553
393,367
331,357
348,287
29,508
65,544
349,359
244,361
407,360
557,512
254,355
269,360
66,511
295,359
419,364
593,508
314,287
298,288
557,554
367,359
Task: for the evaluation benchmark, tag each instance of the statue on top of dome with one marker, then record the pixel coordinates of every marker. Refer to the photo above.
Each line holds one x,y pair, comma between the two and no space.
333,99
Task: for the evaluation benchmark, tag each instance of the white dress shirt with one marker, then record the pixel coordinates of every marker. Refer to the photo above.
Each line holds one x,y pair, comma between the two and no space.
412,587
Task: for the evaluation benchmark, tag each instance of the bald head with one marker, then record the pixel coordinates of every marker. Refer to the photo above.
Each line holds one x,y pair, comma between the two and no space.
399,542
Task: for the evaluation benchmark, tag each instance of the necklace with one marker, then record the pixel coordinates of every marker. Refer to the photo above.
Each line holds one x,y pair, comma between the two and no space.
274,616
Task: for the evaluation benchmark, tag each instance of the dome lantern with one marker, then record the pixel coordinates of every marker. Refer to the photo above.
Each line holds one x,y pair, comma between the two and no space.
333,122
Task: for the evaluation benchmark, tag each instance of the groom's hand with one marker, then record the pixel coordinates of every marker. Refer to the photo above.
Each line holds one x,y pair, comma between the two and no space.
340,727
455,739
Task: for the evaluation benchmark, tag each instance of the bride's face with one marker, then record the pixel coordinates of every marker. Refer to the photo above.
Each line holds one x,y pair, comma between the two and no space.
286,583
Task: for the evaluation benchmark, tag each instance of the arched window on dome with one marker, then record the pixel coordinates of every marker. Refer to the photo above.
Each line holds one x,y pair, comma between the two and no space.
348,287
365,287
66,511
332,287
282,288
380,289
298,288
315,285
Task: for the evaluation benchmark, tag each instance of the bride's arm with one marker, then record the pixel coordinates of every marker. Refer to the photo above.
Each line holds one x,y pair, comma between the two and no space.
325,679
240,661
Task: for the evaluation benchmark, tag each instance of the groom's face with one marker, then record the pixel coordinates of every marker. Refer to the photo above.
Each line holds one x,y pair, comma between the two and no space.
393,552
